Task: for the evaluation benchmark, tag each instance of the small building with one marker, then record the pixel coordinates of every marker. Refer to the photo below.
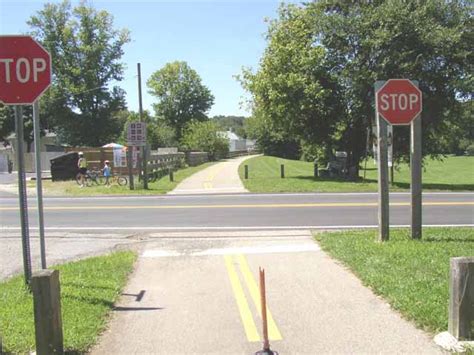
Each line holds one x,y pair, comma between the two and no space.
236,143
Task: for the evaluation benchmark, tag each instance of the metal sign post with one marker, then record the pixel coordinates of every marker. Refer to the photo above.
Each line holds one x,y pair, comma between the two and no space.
39,183
25,233
382,162
416,185
26,66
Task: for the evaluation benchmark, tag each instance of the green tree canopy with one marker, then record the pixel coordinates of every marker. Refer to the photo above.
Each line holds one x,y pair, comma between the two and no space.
86,51
315,80
204,136
181,95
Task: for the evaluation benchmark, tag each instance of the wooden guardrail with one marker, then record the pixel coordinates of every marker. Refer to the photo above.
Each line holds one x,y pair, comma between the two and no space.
162,164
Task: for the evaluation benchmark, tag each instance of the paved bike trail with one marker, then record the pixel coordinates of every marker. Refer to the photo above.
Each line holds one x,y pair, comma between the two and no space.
222,177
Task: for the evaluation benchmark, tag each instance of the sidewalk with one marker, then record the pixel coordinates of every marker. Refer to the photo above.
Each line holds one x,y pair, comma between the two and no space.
222,177
198,295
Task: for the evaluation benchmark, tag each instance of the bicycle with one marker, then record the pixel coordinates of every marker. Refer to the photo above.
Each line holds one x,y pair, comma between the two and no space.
91,176
119,179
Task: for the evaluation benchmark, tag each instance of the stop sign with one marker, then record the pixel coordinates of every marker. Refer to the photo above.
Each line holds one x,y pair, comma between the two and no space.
398,101
25,70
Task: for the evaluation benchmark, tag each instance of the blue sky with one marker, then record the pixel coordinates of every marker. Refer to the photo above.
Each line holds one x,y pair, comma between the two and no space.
216,38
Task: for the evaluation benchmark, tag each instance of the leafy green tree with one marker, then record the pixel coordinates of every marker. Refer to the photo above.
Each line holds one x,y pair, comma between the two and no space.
204,136
271,140
316,77
429,41
86,51
295,97
181,95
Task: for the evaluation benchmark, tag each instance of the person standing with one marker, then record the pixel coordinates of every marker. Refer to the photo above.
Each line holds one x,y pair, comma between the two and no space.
82,165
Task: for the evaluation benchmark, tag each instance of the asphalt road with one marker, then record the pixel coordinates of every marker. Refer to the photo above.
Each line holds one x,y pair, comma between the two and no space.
241,211
199,257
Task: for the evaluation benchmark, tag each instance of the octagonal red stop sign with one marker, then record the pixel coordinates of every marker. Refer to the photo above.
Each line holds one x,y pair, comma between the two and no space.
399,101
25,70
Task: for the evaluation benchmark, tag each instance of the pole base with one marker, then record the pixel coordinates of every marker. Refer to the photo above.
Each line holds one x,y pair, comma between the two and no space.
266,352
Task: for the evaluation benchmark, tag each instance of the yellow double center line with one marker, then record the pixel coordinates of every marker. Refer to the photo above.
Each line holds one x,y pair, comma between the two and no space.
216,169
230,206
239,294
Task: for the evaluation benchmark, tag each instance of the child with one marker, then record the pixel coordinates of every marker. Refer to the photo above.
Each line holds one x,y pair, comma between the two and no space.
107,172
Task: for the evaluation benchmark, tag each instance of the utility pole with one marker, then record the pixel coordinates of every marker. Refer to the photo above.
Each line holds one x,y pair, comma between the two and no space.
140,110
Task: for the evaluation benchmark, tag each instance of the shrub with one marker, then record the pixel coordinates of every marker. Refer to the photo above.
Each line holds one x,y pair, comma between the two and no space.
204,136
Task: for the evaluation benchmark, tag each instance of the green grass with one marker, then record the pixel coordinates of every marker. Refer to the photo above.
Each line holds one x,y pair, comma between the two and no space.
161,186
411,275
453,173
89,289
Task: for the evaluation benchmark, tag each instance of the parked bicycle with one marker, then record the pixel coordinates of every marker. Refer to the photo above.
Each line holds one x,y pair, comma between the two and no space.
91,177
119,179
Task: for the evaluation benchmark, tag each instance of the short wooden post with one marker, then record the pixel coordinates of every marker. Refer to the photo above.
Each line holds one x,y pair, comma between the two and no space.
47,311
282,171
316,171
246,171
171,175
461,298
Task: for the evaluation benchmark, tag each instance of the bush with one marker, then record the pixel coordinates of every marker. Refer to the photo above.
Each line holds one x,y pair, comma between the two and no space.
204,136
470,150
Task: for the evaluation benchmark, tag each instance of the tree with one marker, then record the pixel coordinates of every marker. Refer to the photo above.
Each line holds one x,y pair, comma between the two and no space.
204,136
316,77
86,52
181,95
429,41
295,97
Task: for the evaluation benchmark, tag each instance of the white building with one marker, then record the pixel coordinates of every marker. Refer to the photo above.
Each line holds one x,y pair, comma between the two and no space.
235,142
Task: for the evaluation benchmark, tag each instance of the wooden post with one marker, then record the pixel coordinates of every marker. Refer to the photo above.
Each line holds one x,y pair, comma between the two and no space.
47,310
461,298
130,166
316,171
246,171
171,175
415,186
282,171
382,168
144,149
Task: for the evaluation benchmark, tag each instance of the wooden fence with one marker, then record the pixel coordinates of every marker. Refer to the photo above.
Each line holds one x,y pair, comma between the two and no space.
156,162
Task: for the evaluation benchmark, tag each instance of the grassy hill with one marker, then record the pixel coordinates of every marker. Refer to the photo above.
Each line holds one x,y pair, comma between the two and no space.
454,173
